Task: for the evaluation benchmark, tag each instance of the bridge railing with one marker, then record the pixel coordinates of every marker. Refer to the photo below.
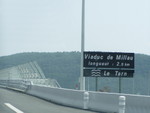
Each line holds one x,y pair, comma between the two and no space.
21,85
24,85
46,82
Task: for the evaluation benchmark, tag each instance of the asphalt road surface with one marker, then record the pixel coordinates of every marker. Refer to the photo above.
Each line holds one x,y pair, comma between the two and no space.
17,102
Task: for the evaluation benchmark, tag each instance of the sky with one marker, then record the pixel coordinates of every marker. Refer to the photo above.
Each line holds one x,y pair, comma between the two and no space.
55,26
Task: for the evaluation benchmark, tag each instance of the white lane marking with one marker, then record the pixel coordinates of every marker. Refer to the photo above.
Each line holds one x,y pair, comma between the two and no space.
13,108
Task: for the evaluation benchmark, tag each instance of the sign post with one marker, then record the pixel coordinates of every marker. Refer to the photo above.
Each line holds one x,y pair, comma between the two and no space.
108,64
119,84
82,78
96,84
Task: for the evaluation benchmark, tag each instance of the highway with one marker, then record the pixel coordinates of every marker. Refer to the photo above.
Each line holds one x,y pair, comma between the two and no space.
17,102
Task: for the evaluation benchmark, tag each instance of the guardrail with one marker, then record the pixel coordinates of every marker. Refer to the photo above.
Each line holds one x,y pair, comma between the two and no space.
97,101
21,85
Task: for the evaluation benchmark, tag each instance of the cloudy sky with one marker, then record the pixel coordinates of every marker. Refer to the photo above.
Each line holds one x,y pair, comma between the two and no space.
55,25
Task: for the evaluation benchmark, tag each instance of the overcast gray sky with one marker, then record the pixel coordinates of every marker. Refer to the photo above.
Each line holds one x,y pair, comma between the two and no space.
55,25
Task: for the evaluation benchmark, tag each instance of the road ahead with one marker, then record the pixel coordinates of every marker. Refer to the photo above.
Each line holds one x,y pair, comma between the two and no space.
17,102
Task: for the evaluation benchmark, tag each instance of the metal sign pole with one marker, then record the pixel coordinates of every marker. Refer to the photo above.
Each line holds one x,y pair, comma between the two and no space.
148,83
96,84
119,84
133,84
82,79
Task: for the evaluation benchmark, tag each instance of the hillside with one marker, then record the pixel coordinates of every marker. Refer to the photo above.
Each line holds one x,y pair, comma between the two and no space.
65,67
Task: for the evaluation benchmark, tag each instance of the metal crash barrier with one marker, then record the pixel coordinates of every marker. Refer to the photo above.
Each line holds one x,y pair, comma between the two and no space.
20,85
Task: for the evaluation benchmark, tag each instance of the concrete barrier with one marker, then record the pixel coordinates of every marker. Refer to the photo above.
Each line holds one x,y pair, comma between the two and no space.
137,104
109,102
122,104
62,96
97,101
104,102
86,100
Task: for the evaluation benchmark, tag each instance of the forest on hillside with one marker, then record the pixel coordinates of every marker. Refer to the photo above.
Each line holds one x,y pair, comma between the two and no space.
65,68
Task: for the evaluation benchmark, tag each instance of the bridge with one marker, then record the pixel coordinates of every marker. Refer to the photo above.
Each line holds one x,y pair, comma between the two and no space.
25,89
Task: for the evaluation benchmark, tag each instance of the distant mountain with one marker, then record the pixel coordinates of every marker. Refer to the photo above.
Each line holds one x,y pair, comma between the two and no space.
65,67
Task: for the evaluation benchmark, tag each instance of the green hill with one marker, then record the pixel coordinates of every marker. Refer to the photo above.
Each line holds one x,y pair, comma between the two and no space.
65,67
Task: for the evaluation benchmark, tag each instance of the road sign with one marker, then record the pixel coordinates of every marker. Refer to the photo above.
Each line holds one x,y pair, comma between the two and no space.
108,60
107,73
